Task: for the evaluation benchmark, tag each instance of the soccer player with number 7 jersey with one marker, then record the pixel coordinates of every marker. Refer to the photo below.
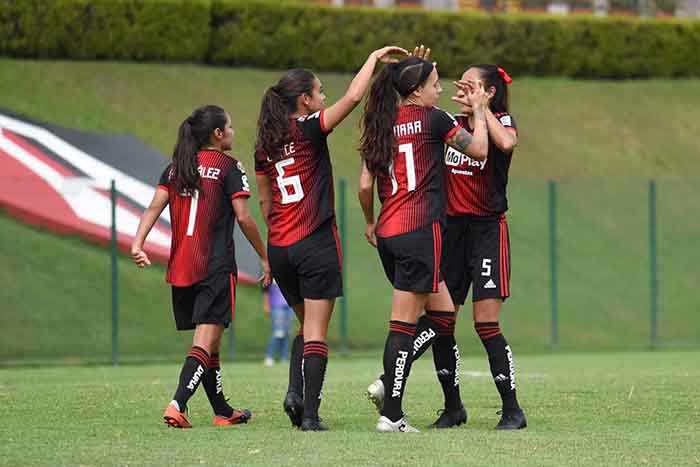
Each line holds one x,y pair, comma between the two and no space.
295,184
207,191
403,141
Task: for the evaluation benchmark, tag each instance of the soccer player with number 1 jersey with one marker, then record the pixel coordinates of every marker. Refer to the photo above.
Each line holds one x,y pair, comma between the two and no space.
207,191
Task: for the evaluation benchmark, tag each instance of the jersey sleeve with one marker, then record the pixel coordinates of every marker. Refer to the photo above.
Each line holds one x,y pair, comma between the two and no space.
443,124
507,121
164,181
236,182
313,126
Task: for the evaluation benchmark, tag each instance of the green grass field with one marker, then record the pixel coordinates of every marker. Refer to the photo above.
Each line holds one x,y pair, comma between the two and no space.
601,140
607,409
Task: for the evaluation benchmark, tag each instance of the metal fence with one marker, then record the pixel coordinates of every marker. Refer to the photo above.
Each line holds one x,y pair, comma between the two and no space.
608,263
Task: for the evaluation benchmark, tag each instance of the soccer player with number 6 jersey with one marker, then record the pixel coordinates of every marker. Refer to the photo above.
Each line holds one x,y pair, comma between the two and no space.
402,147
207,191
477,244
295,184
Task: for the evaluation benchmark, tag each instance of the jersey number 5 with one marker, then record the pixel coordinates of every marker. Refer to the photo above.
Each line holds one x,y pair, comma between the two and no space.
285,182
407,151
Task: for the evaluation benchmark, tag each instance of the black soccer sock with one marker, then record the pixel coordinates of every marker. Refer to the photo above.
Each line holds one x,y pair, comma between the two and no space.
428,328
426,332
501,362
191,375
296,384
314,365
398,353
214,387
446,359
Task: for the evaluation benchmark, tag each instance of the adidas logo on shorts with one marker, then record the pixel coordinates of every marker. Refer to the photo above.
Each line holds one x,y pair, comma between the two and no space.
490,284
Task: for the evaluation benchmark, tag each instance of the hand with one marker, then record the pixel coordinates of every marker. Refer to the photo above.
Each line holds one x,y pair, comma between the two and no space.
383,54
471,94
370,236
421,52
139,256
265,278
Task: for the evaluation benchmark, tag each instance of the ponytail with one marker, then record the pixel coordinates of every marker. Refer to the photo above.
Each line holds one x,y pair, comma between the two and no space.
193,134
377,145
273,125
278,103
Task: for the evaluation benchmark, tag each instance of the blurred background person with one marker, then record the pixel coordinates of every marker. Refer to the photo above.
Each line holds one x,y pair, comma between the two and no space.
280,313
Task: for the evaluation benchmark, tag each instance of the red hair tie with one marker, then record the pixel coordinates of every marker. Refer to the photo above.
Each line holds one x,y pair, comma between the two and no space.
505,75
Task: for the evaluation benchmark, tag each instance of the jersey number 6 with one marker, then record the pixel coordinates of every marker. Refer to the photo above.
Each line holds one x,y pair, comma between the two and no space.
407,151
285,182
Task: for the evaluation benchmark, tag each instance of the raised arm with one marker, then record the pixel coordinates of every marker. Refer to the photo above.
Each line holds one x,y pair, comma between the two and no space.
505,138
337,112
366,197
148,219
251,232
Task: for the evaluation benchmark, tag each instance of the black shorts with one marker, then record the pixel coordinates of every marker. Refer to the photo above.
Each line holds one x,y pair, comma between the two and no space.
309,268
211,301
412,260
476,251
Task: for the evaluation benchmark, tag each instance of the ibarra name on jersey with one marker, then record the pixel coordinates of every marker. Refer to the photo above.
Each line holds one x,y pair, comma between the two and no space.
409,128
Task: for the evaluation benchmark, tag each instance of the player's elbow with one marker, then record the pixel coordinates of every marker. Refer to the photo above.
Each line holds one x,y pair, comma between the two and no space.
508,144
245,220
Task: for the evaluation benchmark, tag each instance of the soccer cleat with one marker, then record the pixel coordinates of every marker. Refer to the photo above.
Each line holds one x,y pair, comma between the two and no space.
512,421
236,418
294,407
449,418
375,393
313,424
174,418
384,425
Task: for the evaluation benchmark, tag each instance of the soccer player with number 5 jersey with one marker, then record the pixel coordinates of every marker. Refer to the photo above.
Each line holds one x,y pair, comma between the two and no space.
477,244
207,192
402,147
295,183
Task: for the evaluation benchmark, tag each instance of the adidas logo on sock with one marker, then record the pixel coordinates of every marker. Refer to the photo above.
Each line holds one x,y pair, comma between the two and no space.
501,377
490,284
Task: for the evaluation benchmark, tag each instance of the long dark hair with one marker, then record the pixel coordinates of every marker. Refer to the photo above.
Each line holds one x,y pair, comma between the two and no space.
491,76
378,145
278,103
194,133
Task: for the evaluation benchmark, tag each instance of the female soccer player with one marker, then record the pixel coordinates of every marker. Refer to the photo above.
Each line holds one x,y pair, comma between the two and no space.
207,191
477,244
402,148
295,185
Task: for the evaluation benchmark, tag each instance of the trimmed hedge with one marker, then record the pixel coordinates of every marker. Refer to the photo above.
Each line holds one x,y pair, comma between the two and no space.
325,38
272,34
105,29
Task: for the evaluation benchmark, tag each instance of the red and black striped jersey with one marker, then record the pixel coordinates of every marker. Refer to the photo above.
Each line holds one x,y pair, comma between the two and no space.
301,181
412,193
474,187
202,224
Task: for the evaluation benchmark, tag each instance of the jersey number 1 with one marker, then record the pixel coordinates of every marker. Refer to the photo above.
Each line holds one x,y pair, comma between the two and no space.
194,201
285,182
407,151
